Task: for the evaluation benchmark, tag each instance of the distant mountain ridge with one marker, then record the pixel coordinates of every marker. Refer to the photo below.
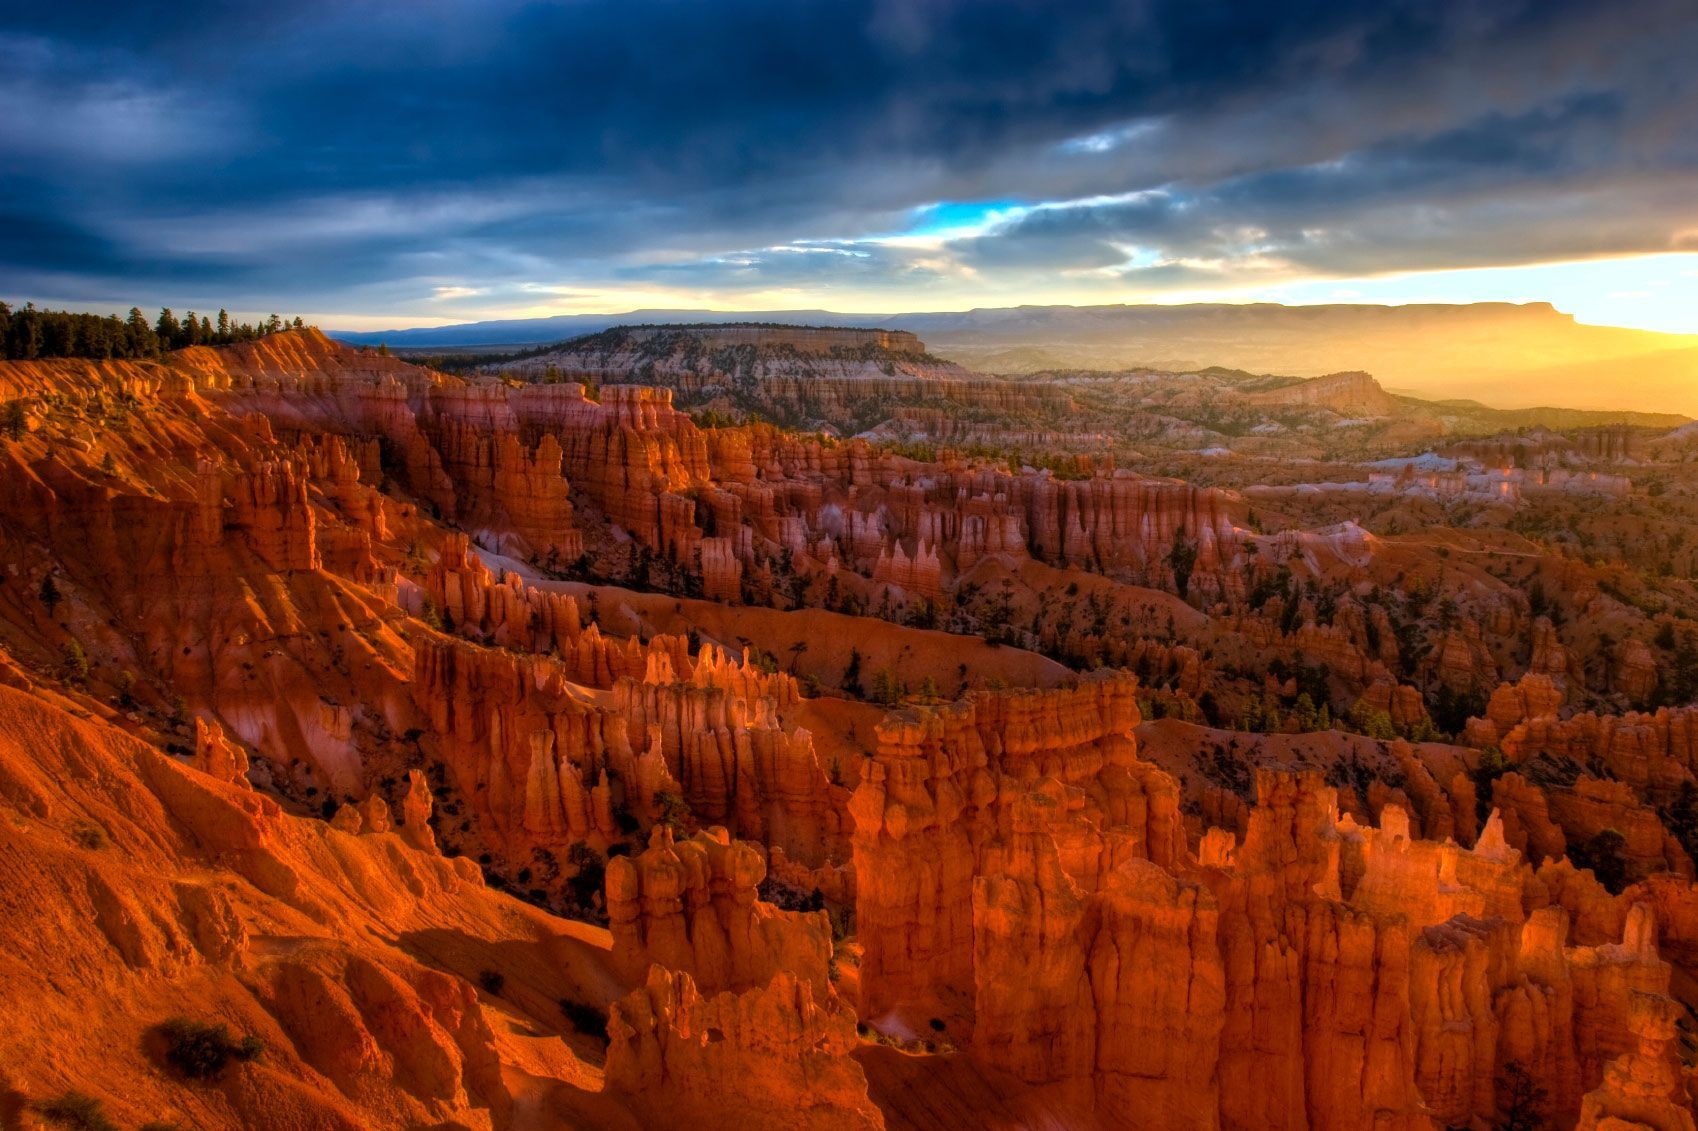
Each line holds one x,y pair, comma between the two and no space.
1504,354
997,321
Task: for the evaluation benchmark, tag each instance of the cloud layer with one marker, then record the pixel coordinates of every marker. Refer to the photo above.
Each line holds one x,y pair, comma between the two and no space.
451,159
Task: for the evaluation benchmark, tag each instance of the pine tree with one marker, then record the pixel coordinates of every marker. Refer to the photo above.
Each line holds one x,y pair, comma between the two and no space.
49,594
223,325
852,673
1521,1099
139,336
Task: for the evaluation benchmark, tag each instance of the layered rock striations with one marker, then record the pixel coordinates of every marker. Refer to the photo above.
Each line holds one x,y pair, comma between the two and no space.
333,587
1319,974
772,1057
692,906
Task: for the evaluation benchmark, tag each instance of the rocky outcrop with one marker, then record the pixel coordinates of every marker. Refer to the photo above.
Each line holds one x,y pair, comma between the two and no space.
800,339
1349,394
773,1058
1643,1088
722,573
691,906
215,754
940,787
1063,993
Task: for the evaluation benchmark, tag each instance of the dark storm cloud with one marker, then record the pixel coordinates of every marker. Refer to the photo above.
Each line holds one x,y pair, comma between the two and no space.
359,154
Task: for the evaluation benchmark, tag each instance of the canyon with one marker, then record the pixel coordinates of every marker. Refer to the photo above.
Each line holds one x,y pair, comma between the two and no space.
752,727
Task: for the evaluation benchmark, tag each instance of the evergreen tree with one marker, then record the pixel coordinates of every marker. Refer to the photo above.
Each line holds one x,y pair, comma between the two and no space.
852,673
49,594
25,342
1521,1099
1183,559
139,337
168,329
223,325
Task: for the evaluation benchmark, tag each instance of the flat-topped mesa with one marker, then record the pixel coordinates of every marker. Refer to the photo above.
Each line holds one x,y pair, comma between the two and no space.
838,379
692,906
801,339
773,1058
1355,394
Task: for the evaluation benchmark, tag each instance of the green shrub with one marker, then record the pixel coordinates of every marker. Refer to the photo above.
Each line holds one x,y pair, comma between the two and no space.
76,1111
200,1051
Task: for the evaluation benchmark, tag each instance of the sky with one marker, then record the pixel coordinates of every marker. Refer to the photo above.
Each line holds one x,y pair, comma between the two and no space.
369,163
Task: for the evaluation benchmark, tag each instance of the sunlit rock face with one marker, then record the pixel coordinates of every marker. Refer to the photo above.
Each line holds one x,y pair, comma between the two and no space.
494,752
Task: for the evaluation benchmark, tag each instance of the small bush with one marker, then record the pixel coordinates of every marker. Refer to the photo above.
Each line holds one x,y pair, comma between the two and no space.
76,1111
492,981
585,1018
73,661
90,835
200,1051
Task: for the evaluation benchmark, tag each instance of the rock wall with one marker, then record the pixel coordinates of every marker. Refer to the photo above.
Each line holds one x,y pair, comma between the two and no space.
934,796
691,906
773,1058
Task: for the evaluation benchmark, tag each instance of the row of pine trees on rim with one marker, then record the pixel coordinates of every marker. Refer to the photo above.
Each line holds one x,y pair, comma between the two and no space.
30,333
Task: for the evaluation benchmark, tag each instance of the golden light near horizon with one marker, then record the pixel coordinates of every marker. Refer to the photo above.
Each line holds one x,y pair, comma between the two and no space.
1641,292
